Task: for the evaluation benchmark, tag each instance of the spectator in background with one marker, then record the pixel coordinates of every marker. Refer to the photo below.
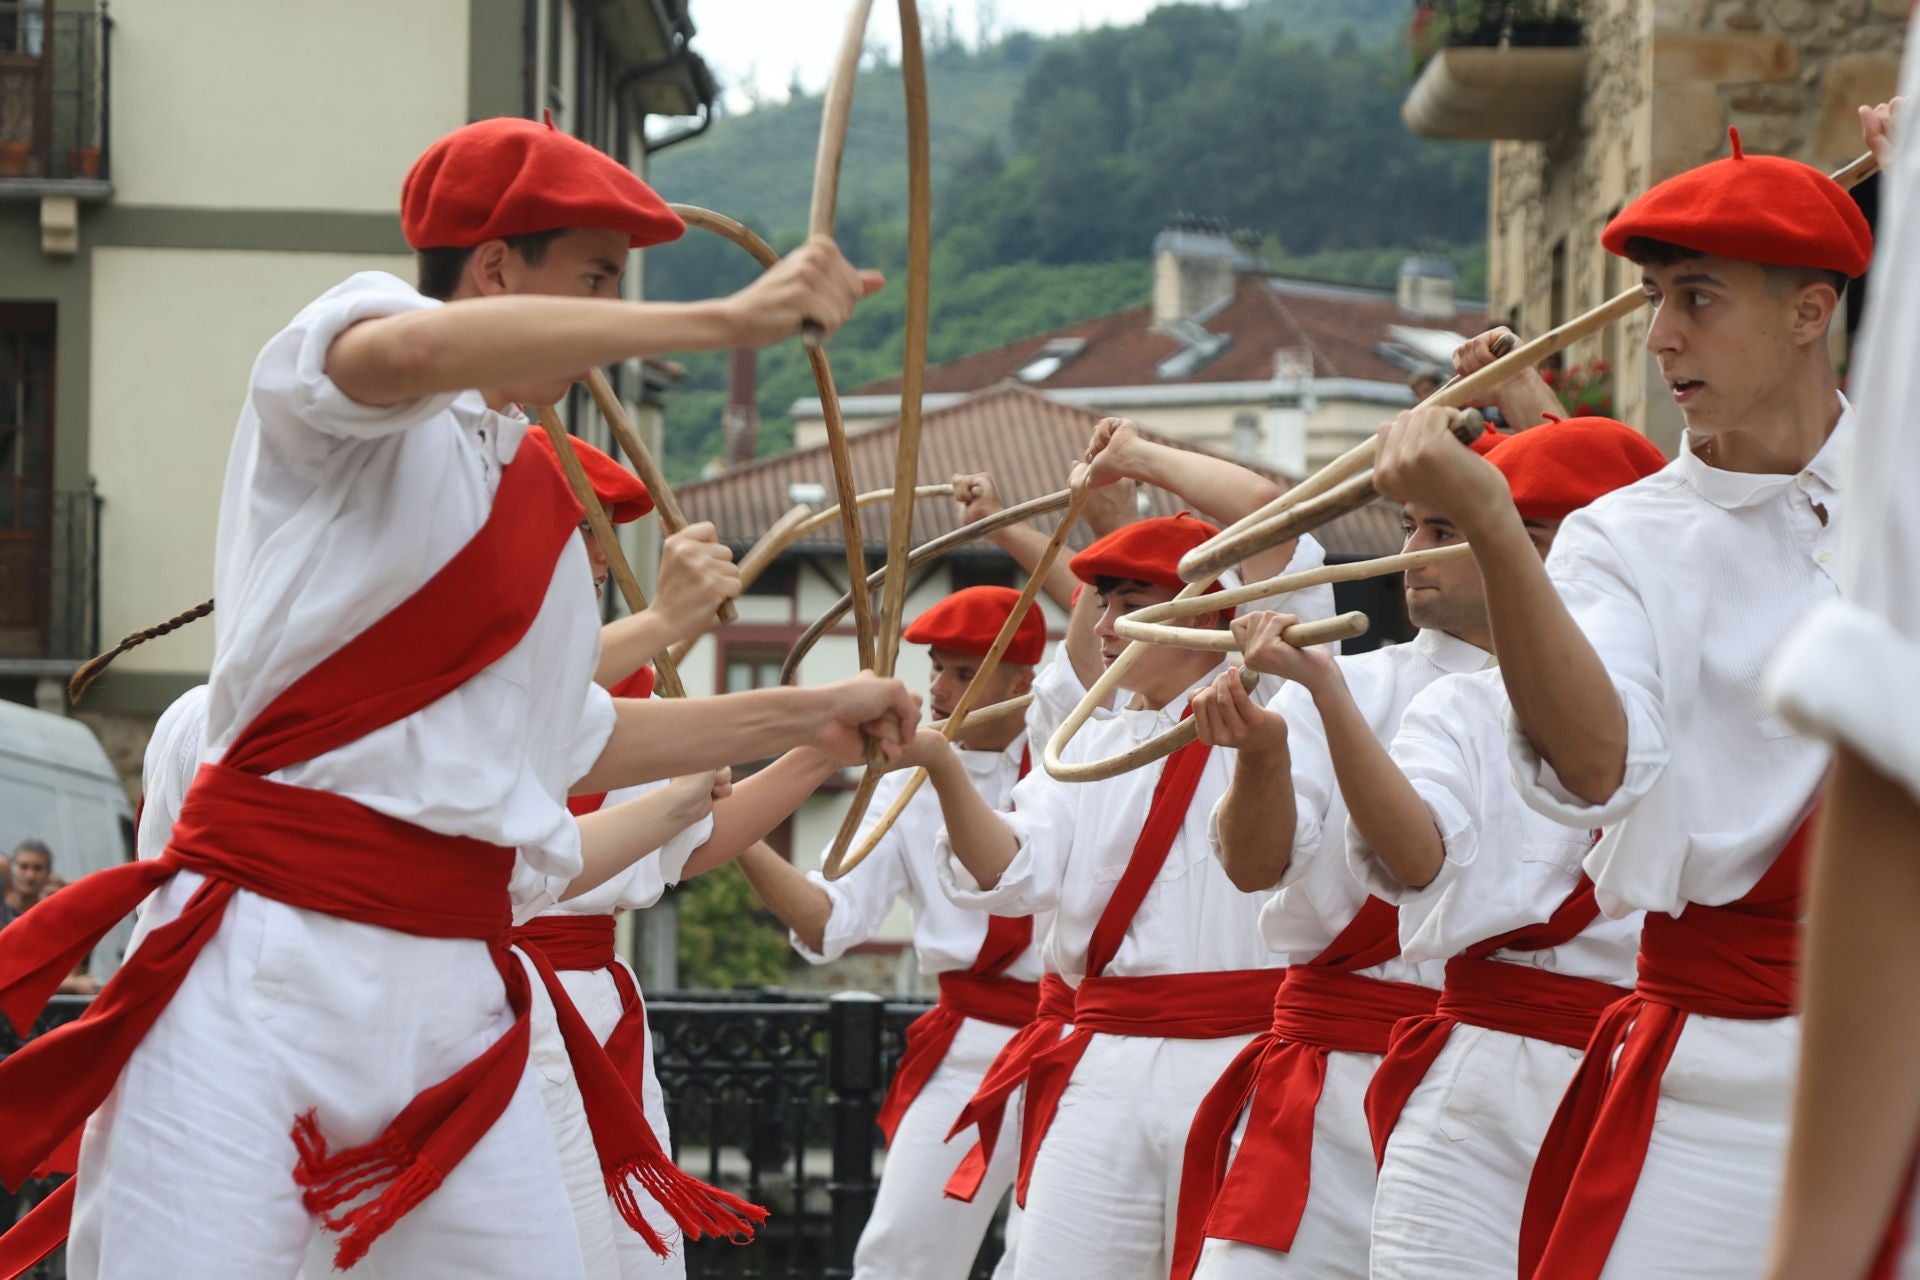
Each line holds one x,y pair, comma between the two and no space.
27,874
1426,382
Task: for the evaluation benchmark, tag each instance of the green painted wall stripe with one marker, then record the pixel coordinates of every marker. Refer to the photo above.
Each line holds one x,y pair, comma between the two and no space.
496,62
271,230
140,693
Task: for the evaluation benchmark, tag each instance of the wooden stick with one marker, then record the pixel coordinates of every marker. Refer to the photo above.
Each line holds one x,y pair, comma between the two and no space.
1148,625
666,675
835,114
839,859
672,518
1235,543
920,555
990,717
721,225
1344,627
913,365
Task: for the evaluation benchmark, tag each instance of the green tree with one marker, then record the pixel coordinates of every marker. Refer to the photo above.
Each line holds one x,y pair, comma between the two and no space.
726,939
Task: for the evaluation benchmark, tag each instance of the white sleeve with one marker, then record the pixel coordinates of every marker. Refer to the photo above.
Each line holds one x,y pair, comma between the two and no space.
1042,824
290,387
1594,583
591,735
1852,672
863,896
1443,771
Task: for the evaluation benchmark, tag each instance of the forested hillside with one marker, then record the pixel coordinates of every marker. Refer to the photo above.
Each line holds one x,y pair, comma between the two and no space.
1056,161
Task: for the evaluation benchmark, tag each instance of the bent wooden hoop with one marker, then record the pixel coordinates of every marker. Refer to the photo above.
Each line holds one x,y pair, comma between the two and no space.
1344,627
672,518
920,555
666,674
840,859
1270,526
731,229
1148,625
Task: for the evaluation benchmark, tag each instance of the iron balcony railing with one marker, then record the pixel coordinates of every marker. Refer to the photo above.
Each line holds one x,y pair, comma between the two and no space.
55,91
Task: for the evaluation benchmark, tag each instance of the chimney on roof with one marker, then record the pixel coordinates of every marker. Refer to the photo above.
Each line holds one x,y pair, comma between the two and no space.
1427,286
1196,262
743,405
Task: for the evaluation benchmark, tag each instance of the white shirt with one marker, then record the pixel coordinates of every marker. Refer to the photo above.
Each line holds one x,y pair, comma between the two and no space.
1686,583
946,937
1852,672
1505,866
173,756
333,513
1318,897
645,882
1075,839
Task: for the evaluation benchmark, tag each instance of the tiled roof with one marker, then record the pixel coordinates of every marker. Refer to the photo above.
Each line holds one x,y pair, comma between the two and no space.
1024,440
1338,325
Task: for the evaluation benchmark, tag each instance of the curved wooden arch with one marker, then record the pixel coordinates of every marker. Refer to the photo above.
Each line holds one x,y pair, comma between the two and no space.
930,550
1149,625
1346,626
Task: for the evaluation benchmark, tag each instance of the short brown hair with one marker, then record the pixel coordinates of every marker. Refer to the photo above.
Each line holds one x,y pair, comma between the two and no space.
1647,252
439,269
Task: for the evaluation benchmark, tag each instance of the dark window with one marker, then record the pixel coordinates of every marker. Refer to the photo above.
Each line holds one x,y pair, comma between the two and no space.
26,463
753,666
777,579
984,571
555,99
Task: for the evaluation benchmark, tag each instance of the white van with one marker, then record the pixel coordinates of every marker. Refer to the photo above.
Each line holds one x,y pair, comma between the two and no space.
57,786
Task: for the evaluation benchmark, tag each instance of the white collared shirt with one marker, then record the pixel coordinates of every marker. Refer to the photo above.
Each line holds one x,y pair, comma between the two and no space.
174,751
946,937
1505,866
1075,839
1318,896
333,513
1852,672
1686,583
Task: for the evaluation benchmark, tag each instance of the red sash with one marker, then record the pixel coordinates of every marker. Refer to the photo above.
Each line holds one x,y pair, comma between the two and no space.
584,944
987,1109
322,852
1482,992
979,992
637,685
1260,1196
1736,961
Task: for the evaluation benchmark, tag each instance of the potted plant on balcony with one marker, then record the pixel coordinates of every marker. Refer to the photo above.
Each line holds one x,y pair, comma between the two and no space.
1584,390
16,159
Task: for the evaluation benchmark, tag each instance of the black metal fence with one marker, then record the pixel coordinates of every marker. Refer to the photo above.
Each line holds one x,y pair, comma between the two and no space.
770,1095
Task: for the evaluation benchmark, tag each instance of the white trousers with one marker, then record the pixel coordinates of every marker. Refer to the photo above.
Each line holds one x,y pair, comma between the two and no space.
1710,1189
609,1248
915,1231
1106,1183
1332,1241
186,1170
1455,1175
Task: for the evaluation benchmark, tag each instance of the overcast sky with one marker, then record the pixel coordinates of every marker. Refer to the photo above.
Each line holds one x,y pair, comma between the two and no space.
765,42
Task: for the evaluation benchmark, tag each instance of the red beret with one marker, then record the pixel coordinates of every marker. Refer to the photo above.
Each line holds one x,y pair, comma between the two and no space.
510,177
968,620
618,489
1556,469
1764,209
1489,437
1144,551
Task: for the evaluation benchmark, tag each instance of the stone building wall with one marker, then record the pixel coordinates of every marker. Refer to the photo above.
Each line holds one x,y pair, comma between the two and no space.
1665,78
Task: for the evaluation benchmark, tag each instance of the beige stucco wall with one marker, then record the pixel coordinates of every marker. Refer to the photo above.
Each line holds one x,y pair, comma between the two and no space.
175,335
281,106
1664,80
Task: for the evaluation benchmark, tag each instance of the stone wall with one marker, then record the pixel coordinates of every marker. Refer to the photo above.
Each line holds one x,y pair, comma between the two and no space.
1665,78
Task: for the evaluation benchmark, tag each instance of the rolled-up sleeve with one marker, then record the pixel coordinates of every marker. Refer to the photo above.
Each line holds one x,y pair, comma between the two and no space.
863,896
1441,770
1042,826
291,388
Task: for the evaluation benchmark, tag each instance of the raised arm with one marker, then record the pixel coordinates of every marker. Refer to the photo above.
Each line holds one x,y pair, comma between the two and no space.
1525,399
1255,820
981,839
513,340
975,493
614,838
659,738
801,905
1563,699
761,803
1383,806
696,574
1220,490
